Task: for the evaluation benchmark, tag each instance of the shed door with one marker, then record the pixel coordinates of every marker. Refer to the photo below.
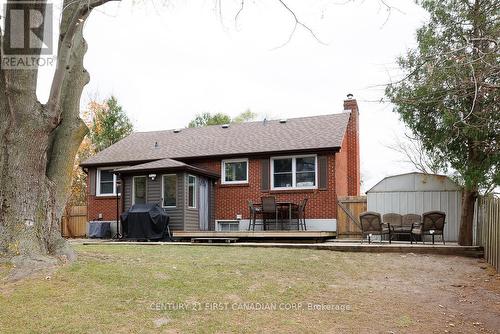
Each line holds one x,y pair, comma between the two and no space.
203,209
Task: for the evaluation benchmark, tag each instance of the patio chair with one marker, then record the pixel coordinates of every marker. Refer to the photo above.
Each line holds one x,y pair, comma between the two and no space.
254,211
432,224
299,211
394,221
269,210
371,223
410,221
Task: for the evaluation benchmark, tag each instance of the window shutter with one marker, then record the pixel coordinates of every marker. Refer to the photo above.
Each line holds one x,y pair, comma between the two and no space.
323,172
265,177
92,180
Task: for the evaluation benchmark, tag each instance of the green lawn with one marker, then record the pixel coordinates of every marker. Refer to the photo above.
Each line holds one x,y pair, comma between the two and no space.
132,289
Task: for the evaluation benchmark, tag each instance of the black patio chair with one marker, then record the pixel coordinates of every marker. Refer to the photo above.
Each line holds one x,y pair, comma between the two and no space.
432,224
254,211
269,210
299,211
371,223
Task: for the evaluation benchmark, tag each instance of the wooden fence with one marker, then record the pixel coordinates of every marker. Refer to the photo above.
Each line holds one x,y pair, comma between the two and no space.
487,228
74,222
348,210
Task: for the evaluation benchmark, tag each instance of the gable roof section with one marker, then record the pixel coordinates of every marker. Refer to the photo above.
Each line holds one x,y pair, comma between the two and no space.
165,164
158,164
296,134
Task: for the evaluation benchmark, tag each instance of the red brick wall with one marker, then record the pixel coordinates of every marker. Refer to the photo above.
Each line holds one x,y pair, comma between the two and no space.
341,169
232,199
352,136
104,205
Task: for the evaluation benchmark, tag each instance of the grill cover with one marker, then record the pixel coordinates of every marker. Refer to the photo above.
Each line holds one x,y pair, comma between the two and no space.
145,221
99,229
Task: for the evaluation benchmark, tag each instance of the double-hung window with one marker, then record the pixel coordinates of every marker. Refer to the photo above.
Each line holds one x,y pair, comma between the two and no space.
295,172
106,182
169,190
235,171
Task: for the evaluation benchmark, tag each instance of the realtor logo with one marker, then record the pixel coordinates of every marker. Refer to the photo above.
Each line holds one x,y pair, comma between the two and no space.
28,41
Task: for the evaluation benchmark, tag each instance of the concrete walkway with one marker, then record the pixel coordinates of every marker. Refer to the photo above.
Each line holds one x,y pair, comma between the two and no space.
340,246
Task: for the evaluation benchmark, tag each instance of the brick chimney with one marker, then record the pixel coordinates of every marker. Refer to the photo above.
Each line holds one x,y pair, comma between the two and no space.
353,165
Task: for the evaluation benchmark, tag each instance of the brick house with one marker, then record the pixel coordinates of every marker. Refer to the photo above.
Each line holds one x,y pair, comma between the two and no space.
205,176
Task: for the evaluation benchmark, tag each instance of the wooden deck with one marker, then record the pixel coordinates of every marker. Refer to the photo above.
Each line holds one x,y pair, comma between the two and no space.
256,235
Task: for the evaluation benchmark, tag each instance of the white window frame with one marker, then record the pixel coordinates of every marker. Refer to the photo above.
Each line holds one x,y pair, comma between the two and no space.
294,172
163,193
195,192
223,172
98,182
133,187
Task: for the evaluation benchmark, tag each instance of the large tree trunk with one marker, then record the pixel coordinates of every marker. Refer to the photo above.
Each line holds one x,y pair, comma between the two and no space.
29,226
38,144
467,217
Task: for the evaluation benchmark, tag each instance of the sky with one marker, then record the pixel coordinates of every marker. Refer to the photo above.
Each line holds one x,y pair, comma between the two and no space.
166,61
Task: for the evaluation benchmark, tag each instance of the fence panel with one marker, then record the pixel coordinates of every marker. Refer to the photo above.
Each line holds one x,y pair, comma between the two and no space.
487,228
348,210
74,222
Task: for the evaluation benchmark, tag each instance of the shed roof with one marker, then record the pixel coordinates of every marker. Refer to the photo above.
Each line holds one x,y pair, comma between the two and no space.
296,134
415,182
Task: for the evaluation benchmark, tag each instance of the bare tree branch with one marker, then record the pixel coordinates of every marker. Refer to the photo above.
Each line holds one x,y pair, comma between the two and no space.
296,24
242,6
415,154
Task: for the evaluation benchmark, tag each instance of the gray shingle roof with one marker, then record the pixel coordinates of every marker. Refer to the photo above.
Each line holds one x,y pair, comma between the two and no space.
158,164
164,164
306,133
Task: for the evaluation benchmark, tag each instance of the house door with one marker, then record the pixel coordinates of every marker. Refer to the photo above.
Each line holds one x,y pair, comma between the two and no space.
203,210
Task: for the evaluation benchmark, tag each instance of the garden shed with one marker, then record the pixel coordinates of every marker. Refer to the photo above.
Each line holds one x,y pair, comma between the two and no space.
418,193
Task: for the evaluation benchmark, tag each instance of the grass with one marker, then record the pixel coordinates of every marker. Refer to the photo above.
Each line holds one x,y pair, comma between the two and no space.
129,288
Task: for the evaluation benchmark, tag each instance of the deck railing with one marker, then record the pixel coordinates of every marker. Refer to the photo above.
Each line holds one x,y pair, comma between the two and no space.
487,228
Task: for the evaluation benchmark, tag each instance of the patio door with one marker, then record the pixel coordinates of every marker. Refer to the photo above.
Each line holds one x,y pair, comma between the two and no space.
203,207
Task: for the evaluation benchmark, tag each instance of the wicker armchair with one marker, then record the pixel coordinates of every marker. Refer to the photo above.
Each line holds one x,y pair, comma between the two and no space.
432,224
371,223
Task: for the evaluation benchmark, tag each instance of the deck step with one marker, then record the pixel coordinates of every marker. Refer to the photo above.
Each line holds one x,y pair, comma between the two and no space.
214,239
